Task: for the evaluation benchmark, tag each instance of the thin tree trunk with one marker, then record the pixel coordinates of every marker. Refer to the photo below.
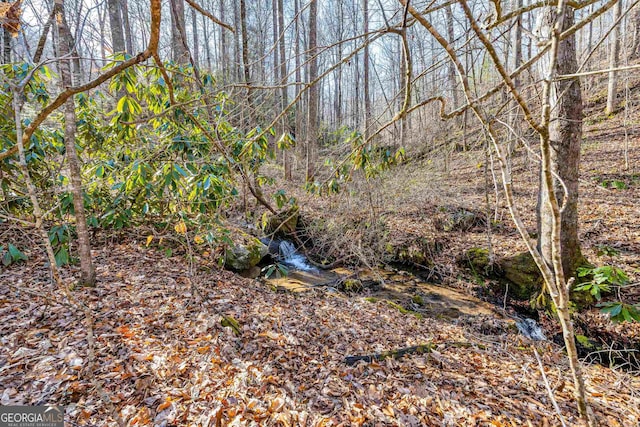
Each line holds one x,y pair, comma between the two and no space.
127,26
178,45
87,271
284,98
103,38
245,60
365,77
560,151
276,51
43,39
237,53
312,108
614,56
452,69
207,46
6,44
115,23
514,121
194,30
224,49
634,52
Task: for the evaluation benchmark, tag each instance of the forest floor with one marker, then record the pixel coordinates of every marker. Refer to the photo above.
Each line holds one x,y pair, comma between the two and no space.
155,351
160,355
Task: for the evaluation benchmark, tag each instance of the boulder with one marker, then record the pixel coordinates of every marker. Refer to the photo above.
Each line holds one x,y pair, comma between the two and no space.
284,222
519,271
246,252
523,275
477,259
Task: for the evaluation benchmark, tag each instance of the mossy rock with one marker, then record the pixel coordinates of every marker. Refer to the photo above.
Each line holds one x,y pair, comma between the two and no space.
417,299
477,259
524,277
352,285
284,222
246,253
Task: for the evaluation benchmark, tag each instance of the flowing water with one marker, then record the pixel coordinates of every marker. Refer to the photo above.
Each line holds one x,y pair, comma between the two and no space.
400,289
290,257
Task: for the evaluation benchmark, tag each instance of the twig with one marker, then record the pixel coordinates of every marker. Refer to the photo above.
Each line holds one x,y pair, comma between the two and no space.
548,387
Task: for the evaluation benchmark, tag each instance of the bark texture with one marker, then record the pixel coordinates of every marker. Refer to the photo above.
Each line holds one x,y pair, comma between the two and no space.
114,7
87,271
565,136
312,110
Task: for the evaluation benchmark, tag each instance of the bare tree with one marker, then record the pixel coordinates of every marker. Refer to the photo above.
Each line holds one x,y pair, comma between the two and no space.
560,129
312,109
65,41
365,71
614,56
178,43
114,8
284,98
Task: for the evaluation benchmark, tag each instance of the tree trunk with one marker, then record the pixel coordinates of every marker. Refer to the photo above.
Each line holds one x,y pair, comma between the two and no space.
114,8
43,39
298,74
207,47
237,72
565,135
634,52
276,50
6,44
194,30
614,55
245,61
365,77
87,271
224,49
284,98
452,69
127,26
514,117
178,45
312,108
558,242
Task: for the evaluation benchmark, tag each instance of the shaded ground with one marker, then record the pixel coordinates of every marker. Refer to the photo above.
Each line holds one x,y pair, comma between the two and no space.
164,358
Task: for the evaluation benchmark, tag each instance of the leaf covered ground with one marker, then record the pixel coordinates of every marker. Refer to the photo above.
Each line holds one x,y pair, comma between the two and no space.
162,357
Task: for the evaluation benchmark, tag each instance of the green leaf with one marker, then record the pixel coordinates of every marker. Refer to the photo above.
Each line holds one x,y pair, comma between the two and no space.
613,309
120,107
230,322
16,255
269,270
180,170
6,259
62,257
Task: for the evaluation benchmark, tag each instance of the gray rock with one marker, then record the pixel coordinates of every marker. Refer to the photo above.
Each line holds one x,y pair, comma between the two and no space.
244,256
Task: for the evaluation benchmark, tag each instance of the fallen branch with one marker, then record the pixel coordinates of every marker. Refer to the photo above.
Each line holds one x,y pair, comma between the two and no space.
392,354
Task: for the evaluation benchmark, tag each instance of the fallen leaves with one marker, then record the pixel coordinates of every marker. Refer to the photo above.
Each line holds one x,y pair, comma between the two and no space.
165,358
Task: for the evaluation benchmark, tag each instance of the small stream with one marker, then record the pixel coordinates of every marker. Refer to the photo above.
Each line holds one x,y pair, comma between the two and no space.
400,289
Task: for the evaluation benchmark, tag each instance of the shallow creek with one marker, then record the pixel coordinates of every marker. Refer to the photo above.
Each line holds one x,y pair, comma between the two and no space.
400,289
